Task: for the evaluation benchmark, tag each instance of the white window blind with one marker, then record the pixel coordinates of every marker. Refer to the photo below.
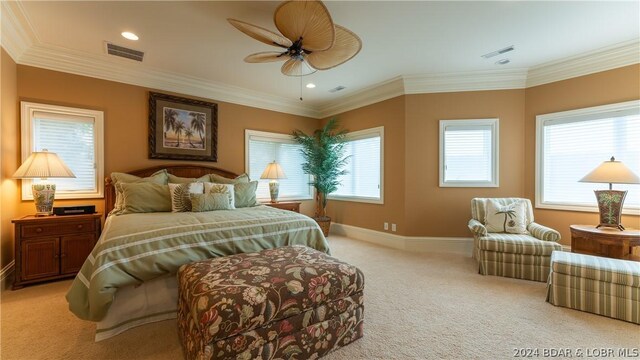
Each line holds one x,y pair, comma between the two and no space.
363,181
468,152
76,136
262,149
72,139
571,144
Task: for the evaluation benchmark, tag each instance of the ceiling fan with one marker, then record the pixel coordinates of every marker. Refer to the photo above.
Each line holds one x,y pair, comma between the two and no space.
310,39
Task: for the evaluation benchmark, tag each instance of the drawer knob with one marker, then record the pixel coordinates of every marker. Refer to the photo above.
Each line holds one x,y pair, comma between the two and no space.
39,230
80,226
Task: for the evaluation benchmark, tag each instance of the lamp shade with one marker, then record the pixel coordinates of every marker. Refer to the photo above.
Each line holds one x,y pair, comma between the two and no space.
273,171
43,164
613,172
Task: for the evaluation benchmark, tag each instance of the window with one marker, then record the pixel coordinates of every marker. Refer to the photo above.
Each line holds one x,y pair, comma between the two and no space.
365,167
261,148
570,144
76,135
469,153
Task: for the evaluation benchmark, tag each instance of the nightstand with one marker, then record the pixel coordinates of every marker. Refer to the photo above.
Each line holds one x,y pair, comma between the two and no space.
285,205
53,247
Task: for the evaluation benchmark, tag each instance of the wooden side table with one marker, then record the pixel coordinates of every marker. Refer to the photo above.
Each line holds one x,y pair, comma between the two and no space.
285,205
53,247
607,242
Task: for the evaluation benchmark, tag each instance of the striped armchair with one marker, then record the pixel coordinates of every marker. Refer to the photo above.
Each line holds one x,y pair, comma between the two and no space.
521,256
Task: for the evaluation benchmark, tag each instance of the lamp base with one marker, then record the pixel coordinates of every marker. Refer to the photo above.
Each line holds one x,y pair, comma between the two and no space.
610,205
43,195
274,189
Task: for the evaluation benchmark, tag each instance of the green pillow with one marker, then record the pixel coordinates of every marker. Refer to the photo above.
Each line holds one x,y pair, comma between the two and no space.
183,180
144,197
158,177
215,178
245,194
209,202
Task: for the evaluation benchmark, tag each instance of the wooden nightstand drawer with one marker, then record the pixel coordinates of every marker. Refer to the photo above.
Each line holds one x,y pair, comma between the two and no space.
57,228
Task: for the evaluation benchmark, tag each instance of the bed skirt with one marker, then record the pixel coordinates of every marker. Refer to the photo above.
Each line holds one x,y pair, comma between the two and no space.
133,306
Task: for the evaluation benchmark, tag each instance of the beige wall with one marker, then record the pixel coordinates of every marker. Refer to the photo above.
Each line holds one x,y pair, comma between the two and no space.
390,114
8,157
126,128
435,211
608,87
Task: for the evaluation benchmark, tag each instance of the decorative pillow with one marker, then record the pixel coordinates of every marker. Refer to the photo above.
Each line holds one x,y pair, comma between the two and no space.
221,189
245,194
182,180
209,202
506,218
145,197
180,200
159,177
218,179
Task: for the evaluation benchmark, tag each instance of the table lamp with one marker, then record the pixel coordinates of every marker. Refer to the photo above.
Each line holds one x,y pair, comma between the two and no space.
610,201
273,172
43,165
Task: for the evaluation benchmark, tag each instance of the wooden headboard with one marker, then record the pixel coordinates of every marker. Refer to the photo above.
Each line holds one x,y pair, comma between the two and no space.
191,171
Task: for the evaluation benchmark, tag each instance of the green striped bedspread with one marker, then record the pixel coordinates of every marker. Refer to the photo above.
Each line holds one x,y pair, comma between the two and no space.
136,248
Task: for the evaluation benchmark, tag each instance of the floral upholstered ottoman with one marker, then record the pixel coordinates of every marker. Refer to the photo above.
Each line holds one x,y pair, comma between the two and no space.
290,302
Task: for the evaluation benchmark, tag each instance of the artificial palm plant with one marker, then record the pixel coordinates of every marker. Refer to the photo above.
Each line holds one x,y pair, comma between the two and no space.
324,159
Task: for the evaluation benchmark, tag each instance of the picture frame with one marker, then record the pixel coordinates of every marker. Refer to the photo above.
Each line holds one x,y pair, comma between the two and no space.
182,128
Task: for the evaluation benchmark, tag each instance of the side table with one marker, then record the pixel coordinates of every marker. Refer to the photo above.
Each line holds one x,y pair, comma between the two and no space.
607,242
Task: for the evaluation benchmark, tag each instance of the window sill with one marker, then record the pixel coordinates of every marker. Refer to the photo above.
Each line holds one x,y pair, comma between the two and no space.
357,199
582,208
284,199
469,184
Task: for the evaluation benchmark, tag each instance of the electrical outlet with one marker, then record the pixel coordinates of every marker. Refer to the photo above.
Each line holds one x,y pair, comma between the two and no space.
393,227
386,226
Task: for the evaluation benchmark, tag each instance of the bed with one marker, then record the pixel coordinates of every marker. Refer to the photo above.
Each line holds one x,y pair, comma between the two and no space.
129,277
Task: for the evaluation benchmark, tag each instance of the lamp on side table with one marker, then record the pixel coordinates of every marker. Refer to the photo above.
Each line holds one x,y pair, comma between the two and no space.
43,165
610,201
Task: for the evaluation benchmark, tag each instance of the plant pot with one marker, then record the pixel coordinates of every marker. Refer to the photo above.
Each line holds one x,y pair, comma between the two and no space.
325,224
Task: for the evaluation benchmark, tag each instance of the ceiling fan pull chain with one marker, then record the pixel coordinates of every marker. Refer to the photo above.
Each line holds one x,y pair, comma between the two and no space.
301,80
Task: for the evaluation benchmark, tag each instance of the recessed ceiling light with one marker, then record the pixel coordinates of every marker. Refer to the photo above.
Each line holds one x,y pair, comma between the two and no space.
503,62
129,35
311,85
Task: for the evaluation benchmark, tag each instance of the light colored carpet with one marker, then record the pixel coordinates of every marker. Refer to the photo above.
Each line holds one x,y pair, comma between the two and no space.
417,306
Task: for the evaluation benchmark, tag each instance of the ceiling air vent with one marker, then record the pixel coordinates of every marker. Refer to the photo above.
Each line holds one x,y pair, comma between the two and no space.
337,88
124,52
498,52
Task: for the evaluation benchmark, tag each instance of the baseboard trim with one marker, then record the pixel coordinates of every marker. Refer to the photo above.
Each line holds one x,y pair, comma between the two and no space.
459,245
6,274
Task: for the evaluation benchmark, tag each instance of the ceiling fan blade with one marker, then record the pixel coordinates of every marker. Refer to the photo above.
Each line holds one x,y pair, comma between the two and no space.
267,56
346,46
296,67
309,20
261,34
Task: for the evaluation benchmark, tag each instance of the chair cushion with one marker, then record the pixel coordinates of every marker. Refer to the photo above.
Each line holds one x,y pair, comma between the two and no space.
517,244
603,269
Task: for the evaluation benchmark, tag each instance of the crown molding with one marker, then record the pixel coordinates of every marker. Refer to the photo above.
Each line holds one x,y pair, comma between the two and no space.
129,72
465,81
21,42
370,95
610,57
17,34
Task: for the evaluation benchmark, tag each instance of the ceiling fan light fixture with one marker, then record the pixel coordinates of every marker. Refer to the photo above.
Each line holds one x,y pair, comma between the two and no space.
310,41
311,85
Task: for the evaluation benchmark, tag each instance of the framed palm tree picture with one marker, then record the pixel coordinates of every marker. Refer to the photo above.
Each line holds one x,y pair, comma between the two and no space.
182,129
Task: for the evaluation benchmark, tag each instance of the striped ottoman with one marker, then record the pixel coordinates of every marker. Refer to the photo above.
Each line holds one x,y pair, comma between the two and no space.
598,285
290,302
